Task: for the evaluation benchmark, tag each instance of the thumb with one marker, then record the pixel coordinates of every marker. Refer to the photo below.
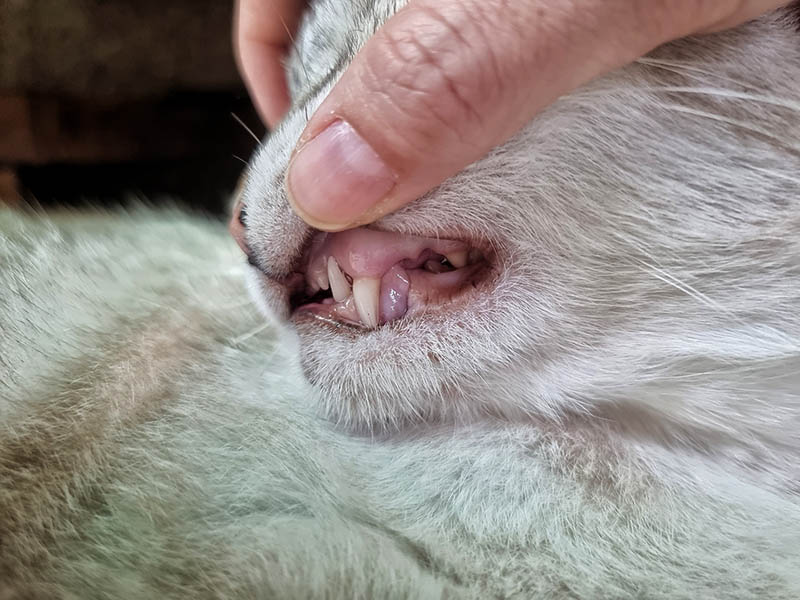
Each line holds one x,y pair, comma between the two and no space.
444,81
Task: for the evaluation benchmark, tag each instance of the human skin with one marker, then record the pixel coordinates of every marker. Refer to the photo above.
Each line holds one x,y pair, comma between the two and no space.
443,82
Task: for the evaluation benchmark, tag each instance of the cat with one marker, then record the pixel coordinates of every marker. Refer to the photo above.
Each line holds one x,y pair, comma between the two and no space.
575,372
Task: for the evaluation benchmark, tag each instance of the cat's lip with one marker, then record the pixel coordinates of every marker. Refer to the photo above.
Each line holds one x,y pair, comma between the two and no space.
368,278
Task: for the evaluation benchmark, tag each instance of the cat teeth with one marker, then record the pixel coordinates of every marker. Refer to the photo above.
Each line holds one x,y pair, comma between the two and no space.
322,280
340,287
457,259
317,276
366,292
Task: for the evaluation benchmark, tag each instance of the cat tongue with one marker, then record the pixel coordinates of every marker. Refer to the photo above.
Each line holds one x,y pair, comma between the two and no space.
393,299
376,277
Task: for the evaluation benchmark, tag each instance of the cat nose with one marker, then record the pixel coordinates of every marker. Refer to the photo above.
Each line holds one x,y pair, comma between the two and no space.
237,227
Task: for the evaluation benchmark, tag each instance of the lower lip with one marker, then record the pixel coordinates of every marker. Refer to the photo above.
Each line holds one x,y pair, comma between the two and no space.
322,313
450,285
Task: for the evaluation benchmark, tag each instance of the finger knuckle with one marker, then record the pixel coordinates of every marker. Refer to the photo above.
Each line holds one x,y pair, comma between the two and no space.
437,68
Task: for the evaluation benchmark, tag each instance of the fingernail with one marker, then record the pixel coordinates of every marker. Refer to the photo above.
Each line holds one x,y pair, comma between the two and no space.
337,177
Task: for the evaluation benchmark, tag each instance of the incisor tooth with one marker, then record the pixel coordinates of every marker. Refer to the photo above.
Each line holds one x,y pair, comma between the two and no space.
365,292
317,275
322,280
339,284
457,259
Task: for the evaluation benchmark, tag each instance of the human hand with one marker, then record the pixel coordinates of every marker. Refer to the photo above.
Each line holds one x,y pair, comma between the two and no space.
443,82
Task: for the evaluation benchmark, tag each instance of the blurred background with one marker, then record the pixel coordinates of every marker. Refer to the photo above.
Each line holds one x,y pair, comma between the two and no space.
111,100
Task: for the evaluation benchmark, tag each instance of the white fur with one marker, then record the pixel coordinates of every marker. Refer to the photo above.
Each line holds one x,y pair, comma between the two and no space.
646,230
616,417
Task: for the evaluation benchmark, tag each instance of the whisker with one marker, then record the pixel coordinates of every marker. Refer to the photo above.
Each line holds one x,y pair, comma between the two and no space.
725,93
246,128
690,70
297,51
692,292
684,287
246,336
735,122
652,266
239,158
709,91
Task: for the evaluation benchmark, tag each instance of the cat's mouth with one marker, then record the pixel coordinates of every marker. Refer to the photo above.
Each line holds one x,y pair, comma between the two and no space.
367,278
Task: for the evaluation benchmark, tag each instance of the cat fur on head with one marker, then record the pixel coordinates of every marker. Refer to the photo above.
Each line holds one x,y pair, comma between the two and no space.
644,236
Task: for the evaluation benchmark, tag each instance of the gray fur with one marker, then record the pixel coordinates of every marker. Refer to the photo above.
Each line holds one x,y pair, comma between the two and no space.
616,417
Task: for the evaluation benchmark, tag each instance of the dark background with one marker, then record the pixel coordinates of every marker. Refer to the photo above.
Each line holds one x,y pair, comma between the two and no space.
108,101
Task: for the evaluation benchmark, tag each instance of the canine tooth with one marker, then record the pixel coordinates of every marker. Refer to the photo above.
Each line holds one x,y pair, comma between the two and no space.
339,284
365,293
457,259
